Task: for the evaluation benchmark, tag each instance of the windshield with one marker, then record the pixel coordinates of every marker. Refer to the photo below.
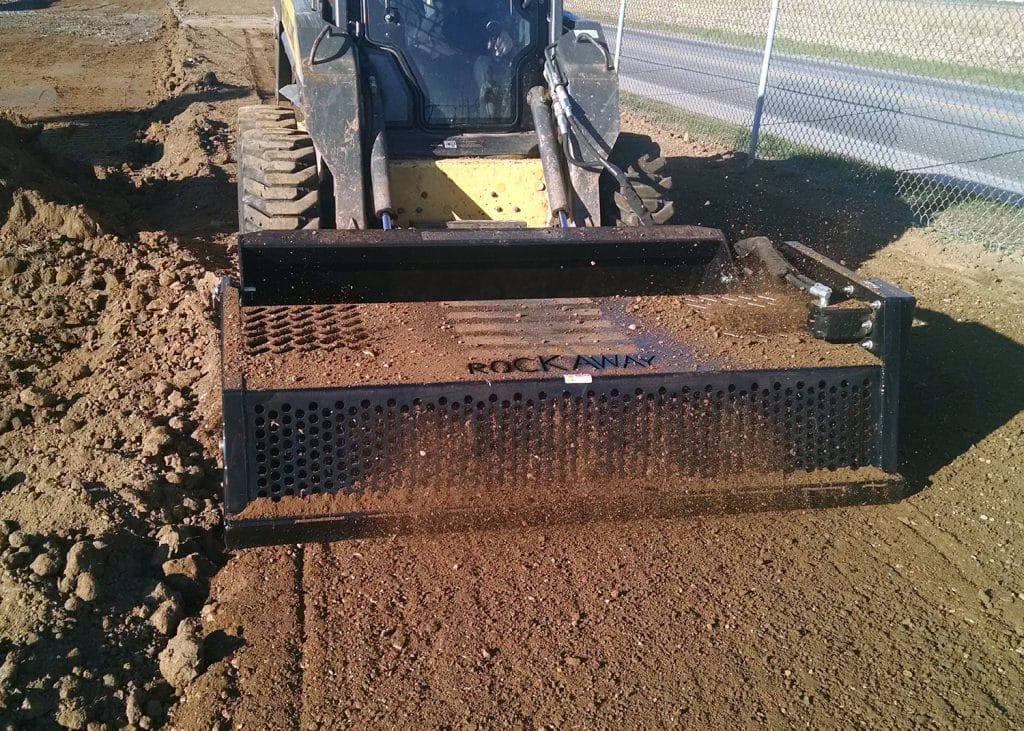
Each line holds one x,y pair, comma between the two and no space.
464,53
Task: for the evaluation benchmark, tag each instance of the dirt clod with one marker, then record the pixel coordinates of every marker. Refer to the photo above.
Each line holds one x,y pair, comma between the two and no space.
45,566
167,615
72,715
188,574
9,266
81,558
157,440
87,587
181,660
36,397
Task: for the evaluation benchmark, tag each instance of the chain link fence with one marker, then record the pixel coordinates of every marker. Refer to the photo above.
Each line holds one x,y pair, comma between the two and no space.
932,90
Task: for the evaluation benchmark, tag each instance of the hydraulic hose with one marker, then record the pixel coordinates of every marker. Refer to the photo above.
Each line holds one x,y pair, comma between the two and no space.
574,128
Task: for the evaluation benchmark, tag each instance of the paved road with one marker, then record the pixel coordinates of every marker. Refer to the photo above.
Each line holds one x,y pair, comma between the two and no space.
964,131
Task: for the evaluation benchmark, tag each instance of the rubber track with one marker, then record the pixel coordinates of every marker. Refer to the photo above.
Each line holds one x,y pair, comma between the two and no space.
278,182
646,173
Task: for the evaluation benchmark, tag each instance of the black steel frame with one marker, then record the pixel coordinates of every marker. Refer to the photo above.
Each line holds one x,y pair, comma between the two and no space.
286,268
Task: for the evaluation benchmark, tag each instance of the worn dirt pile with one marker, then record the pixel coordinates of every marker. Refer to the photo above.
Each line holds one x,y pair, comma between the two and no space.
23,167
107,415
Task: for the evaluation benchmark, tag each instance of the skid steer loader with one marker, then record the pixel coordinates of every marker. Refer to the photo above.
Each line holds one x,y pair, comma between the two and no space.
457,302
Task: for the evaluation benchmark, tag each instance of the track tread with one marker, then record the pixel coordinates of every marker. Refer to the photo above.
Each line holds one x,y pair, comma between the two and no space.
645,169
278,180
265,116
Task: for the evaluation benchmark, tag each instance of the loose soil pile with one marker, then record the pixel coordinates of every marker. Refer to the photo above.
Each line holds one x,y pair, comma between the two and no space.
109,405
107,416
118,606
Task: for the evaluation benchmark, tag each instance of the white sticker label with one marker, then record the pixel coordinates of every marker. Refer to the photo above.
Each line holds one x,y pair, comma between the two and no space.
578,378
451,145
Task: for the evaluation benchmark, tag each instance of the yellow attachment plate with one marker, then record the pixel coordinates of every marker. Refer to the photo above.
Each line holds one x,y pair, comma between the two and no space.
459,189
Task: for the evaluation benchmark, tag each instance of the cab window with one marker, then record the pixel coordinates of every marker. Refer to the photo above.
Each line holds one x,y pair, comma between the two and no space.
464,54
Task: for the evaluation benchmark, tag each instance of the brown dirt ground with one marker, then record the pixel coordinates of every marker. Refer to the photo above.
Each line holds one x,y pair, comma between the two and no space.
418,343
885,616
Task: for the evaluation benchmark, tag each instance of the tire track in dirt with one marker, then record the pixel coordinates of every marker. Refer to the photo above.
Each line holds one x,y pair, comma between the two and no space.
921,597
886,581
264,78
303,624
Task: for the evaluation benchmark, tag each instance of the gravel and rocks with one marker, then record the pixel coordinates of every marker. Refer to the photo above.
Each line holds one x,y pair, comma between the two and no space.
99,469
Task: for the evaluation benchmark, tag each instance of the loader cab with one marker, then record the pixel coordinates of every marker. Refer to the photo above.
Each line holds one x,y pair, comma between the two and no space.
454,64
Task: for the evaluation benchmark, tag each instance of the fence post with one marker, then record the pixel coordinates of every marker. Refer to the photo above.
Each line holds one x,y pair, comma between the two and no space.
618,32
762,83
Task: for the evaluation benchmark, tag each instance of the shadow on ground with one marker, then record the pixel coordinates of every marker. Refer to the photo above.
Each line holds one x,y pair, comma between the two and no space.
102,160
841,209
963,384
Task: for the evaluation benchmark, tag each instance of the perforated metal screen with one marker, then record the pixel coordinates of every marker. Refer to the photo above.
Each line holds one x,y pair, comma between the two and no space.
641,430
302,328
